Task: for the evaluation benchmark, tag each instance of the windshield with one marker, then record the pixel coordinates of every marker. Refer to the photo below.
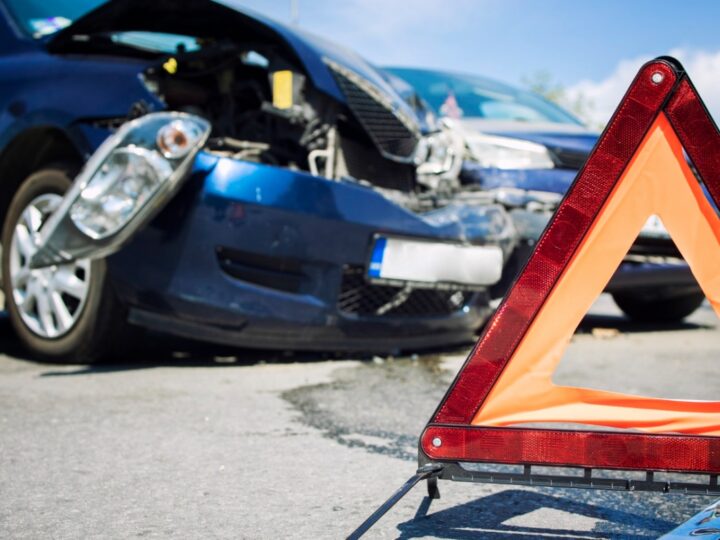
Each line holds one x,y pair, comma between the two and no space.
466,96
43,17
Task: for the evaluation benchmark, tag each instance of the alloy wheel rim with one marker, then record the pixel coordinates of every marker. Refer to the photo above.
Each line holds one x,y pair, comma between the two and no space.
49,300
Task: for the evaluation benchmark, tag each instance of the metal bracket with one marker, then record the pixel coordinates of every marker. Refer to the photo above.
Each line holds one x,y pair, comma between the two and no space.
432,487
585,478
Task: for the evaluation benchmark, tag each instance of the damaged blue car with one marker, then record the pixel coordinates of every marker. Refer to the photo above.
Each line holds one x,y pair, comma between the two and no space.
192,168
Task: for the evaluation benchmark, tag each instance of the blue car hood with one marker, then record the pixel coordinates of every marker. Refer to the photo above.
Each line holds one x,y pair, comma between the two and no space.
227,19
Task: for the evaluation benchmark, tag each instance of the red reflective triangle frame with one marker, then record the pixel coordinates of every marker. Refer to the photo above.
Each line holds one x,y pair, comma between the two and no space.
673,94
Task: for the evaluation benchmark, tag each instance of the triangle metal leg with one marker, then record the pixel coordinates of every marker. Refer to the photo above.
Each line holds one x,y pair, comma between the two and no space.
427,472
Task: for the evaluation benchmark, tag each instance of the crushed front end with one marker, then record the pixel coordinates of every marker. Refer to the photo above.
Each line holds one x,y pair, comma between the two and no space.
323,211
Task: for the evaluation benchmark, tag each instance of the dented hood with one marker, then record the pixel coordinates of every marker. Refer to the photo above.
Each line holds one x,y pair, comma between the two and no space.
224,19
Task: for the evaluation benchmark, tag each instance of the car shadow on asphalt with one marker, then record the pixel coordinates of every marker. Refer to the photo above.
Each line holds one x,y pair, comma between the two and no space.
500,515
157,350
153,350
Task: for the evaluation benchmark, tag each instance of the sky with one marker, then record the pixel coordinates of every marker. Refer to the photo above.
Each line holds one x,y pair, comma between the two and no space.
592,48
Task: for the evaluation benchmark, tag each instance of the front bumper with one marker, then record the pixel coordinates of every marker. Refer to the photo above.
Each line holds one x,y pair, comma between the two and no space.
258,256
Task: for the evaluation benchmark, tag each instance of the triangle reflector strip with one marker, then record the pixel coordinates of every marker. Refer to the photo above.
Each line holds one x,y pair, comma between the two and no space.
637,169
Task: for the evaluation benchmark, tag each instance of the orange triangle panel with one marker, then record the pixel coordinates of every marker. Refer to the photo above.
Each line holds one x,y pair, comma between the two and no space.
637,169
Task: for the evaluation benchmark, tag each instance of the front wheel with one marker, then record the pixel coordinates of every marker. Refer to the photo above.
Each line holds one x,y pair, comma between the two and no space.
63,313
661,307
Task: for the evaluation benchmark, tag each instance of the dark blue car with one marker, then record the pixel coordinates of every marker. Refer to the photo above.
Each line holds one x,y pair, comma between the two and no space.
191,168
526,151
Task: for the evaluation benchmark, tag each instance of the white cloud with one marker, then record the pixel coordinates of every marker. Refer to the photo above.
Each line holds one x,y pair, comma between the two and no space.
602,97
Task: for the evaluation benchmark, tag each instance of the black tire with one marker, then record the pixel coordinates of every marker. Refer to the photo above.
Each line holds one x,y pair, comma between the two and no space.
101,320
644,307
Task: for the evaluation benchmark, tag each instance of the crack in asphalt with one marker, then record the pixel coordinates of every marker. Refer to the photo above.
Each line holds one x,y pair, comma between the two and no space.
376,400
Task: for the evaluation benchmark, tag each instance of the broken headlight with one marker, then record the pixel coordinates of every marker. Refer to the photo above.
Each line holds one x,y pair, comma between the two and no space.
150,152
117,191
124,184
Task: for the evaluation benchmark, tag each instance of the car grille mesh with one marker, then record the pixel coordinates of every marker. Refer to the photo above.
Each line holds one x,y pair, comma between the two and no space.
359,297
393,137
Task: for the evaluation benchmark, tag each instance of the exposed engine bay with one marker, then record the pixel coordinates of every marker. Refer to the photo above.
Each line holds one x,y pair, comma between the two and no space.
264,109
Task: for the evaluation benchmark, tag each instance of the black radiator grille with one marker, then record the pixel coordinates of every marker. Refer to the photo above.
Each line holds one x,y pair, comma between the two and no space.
359,297
394,137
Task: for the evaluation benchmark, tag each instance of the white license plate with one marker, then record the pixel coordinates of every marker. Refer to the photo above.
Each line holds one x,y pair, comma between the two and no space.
422,261
654,227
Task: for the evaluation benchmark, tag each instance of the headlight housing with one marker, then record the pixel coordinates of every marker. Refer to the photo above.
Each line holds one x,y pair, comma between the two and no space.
123,185
439,156
508,153
119,189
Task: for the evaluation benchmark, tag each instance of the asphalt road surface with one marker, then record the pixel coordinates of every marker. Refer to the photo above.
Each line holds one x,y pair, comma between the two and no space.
206,443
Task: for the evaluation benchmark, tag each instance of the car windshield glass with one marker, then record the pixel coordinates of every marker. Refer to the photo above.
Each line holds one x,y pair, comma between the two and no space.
43,17
456,96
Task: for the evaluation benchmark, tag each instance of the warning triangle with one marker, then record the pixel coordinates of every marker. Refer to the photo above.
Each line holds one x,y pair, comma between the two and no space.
638,169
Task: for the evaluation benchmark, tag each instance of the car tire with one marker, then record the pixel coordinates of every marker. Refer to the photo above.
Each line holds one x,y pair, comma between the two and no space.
658,308
39,301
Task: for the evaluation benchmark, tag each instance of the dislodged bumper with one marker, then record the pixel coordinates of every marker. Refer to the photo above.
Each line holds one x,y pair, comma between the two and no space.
262,256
